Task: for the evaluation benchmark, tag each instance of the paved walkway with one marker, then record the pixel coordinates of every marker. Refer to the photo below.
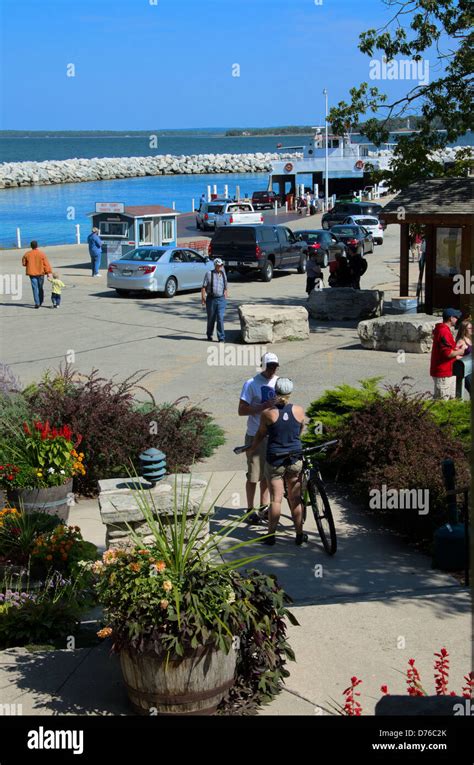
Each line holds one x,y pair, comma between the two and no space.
377,604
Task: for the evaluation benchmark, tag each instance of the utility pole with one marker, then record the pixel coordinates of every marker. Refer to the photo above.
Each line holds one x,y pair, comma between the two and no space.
326,158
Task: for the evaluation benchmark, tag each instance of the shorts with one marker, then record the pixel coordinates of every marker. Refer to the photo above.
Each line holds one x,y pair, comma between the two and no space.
444,387
273,471
256,460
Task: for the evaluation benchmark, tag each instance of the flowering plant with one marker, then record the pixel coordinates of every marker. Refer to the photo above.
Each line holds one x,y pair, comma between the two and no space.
18,532
352,706
42,456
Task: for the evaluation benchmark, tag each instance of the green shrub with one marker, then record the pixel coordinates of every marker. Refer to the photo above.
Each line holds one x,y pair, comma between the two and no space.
455,417
394,441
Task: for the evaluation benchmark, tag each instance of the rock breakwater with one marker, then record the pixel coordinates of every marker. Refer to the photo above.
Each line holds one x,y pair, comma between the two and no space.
14,174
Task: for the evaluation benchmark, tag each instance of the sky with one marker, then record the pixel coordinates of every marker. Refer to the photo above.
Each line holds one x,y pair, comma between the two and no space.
157,64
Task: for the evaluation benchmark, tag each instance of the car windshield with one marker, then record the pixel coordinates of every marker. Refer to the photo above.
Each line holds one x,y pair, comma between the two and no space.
260,194
214,208
345,230
234,234
145,254
367,222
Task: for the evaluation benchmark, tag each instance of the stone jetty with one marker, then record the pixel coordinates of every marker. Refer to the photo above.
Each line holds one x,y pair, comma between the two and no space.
14,174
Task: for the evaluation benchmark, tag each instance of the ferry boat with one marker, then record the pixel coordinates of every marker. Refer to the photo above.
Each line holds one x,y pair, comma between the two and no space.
348,164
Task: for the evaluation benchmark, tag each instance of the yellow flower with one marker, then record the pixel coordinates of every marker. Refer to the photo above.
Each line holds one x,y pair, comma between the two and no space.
104,632
164,603
167,586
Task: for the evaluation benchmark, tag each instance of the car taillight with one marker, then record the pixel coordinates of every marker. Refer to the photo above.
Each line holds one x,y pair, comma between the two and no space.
258,252
231,219
315,246
206,216
112,268
352,241
146,269
261,219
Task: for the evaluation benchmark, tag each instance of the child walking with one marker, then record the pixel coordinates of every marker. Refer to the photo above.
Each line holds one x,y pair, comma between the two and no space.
56,287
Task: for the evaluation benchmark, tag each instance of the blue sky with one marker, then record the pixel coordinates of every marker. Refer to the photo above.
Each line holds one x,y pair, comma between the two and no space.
141,65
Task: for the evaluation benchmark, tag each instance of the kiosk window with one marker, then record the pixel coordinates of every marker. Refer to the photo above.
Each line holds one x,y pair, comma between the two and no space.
167,230
145,232
448,251
109,228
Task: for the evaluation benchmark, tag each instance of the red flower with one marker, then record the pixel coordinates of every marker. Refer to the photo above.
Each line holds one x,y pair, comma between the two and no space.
26,429
384,689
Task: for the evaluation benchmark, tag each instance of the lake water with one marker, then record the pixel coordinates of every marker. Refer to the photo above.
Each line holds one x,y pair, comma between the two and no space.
49,213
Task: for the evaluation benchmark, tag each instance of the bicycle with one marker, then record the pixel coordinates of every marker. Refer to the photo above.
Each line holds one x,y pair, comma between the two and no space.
313,493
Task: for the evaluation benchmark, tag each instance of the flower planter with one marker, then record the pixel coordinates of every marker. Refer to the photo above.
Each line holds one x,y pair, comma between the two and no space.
52,500
194,685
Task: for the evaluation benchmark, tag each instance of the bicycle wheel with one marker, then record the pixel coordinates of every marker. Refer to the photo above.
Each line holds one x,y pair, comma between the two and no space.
322,514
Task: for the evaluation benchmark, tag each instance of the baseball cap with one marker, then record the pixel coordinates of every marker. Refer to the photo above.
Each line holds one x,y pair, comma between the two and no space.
269,358
448,312
218,262
284,386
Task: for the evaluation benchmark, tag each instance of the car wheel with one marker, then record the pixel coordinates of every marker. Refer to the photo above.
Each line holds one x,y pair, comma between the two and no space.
325,262
302,264
267,272
171,287
122,293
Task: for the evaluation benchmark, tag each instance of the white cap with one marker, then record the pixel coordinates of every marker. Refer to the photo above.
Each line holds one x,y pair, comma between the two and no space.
284,386
218,262
269,358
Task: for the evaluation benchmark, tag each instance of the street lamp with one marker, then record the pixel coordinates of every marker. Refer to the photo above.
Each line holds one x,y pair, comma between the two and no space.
326,158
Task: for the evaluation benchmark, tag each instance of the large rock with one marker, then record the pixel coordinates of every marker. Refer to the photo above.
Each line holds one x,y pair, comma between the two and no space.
412,333
273,324
334,303
120,506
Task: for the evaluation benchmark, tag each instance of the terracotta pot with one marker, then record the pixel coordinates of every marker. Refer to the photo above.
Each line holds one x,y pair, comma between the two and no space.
54,500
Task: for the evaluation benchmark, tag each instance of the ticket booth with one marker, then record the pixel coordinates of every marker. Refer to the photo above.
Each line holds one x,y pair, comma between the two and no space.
122,228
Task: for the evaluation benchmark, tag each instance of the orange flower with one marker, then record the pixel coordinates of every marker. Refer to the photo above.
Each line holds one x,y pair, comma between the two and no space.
104,632
134,567
49,557
164,603
160,566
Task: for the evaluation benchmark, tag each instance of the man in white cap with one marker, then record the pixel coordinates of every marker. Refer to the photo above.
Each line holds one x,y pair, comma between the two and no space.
280,429
257,396
214,297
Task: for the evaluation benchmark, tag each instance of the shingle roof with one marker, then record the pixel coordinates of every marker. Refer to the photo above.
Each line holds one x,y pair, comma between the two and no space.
149,210
438,196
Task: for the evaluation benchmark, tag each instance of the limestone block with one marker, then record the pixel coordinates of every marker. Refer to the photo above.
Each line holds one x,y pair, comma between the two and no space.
344,303
273,324
407,332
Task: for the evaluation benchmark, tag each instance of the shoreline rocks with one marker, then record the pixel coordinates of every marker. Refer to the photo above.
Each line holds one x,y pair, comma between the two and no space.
14,174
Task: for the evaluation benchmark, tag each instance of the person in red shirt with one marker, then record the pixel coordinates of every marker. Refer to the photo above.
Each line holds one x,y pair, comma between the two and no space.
443,355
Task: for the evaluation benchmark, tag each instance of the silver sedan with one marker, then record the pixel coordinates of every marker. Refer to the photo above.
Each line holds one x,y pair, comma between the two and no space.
158,269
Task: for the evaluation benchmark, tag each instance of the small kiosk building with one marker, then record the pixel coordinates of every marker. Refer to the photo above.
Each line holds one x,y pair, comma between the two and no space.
122,228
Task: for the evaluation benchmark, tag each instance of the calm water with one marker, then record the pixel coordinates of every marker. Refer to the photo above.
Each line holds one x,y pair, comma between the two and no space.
45,212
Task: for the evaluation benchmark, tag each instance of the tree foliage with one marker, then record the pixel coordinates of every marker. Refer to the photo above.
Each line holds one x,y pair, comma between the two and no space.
437,31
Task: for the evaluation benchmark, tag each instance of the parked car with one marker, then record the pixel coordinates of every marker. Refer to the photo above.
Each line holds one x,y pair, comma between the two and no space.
236,214
356,238
371,223
342,210
263,199
158,269
324,242
259,248
206,215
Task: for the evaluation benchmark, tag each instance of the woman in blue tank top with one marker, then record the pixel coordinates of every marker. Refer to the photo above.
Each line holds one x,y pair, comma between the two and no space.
283,425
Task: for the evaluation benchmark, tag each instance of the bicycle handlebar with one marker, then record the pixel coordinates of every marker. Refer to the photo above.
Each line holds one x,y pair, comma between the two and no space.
308,450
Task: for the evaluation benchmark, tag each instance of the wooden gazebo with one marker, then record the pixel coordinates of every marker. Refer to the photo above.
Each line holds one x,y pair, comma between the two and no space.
445,209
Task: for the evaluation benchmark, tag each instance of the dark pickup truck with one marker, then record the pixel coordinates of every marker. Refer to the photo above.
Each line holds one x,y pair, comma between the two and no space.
263,199
343,210
258,248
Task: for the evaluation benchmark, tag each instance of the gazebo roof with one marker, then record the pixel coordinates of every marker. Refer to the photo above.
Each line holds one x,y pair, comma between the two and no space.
438,197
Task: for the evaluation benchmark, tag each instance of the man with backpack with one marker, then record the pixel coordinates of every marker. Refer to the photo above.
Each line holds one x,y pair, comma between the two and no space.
214,297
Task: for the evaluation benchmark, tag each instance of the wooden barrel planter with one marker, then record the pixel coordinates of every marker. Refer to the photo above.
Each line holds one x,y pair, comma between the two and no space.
52,500
192,685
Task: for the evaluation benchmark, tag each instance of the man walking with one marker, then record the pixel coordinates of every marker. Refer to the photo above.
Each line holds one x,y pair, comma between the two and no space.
214,297
257,395
95,250
37,266
443,355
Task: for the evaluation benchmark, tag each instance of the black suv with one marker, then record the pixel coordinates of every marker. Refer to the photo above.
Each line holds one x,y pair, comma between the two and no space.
342,210
258,248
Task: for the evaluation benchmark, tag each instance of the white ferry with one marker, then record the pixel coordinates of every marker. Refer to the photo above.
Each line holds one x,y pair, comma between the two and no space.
348,164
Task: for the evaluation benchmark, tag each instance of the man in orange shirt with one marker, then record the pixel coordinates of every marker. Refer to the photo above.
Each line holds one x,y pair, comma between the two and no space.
37,266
